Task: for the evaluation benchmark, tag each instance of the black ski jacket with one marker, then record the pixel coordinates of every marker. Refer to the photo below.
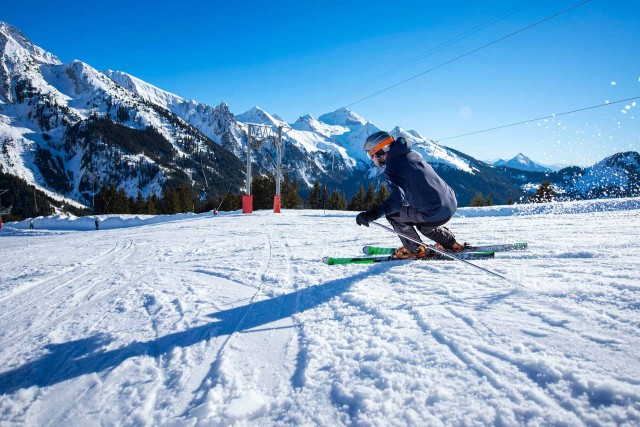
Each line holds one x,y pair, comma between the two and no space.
412,181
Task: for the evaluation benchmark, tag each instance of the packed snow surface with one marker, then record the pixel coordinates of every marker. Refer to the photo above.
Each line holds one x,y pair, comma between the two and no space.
233,319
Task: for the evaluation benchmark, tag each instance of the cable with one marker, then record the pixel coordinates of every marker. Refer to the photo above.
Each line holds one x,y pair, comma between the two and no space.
430,51
540,118
470,52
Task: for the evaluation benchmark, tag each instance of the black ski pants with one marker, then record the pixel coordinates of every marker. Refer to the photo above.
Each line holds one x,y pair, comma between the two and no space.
407,218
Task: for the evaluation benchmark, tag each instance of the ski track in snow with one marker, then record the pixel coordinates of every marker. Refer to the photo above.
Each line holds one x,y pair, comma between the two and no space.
234,320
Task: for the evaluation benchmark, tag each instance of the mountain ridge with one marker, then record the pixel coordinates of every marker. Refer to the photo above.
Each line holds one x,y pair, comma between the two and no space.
520,161
54,135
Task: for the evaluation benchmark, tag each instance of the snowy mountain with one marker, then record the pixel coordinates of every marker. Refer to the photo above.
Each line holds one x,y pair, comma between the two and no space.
522,162
615,176
69,129
217,123
328,149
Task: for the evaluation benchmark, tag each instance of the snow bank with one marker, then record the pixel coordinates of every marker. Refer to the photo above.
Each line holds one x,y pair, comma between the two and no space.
74,223
582,206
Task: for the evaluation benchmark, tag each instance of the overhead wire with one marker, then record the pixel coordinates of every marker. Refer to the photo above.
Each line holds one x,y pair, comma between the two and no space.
539,118
431,51
471,52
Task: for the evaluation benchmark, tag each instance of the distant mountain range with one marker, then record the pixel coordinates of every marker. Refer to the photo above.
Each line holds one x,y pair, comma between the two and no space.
522,162
69,128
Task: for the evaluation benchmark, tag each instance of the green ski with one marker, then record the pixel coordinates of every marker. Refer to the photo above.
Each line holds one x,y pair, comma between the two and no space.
379,250
375,259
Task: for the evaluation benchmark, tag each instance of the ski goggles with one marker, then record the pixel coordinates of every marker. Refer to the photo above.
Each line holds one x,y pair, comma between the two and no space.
379,150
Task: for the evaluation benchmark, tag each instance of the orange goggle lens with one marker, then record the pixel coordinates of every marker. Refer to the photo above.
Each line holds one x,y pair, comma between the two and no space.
382,144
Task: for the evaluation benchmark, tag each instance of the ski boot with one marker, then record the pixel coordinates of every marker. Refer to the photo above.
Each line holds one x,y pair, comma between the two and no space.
404,253
454,248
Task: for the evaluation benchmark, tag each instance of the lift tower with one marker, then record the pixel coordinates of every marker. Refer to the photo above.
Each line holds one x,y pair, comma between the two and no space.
257,137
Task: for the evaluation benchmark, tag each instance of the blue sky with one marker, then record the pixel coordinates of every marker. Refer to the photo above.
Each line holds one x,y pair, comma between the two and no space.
298,57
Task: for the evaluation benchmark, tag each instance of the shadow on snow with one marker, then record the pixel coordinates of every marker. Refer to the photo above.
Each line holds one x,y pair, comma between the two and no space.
84,356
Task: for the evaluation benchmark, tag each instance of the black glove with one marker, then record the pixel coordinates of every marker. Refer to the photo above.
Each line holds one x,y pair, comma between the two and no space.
364,218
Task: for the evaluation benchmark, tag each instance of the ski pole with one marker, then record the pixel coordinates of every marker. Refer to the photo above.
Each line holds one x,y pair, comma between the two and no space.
448,255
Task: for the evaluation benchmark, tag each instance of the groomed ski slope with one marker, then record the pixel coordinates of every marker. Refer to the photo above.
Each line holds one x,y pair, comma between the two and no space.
201,320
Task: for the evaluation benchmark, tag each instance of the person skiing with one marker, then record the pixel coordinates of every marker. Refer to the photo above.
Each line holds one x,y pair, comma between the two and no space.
97,222
418,197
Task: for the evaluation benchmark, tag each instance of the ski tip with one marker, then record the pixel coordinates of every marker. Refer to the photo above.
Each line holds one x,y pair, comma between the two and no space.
377,250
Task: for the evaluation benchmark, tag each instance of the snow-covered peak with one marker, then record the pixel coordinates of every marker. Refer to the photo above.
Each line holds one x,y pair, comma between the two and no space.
83,79
619,170
521,158
522,162
306,123
306,118
415,134
14,44
343,117
621,160
20,62
310,124
146,91
259,116
409,134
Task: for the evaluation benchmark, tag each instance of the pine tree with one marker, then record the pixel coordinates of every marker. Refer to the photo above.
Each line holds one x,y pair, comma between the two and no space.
382,194
152,205
290,199
131,205
101,200
477,201
170,201
337,201
122,202
107,200
370,197
139,205
314,200
544,194
263,189
230,202
186,199
357,203
489,200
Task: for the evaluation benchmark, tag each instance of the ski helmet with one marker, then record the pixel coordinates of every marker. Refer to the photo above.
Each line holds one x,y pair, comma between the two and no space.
378,144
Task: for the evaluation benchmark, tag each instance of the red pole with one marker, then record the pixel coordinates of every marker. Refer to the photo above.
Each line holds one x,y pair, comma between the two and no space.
247,203
276,204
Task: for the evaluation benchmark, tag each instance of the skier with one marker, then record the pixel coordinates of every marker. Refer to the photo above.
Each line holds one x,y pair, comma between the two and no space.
97,223
31,224
431,202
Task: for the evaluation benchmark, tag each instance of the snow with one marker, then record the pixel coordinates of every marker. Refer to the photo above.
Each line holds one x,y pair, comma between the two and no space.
612,171
520,161
232,319
17,43
146,91
432,152
343,117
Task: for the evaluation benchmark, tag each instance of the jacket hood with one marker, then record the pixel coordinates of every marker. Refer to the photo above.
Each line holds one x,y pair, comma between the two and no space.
400,147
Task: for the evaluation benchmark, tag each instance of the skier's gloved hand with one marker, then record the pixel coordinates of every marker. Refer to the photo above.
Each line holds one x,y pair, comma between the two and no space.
364,218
